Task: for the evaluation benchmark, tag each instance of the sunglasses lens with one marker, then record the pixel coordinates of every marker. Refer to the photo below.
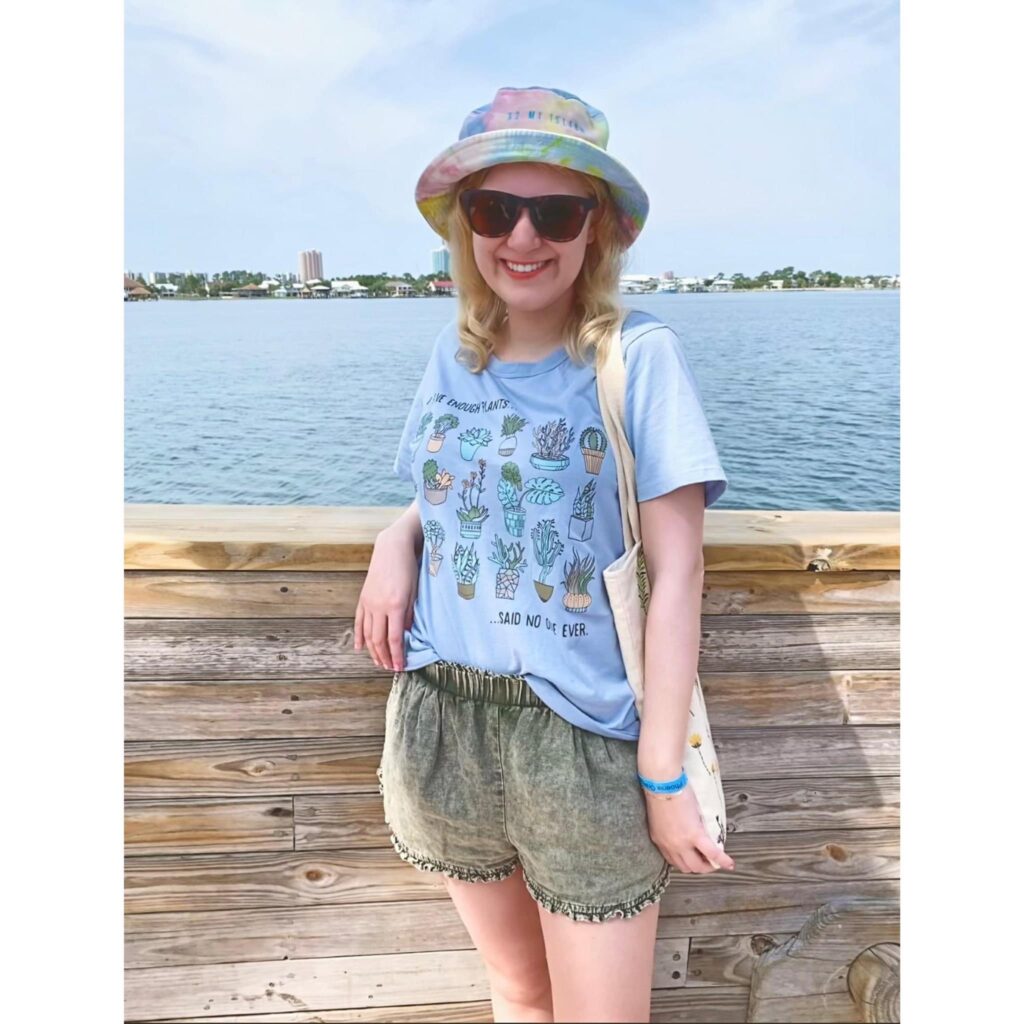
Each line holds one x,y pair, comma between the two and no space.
560,218
491,214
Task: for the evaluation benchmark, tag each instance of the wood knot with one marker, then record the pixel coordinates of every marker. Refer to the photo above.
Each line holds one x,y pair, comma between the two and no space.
836,852
818,565
314,875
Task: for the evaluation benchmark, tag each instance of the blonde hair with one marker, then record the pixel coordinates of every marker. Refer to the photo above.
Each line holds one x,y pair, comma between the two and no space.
596,310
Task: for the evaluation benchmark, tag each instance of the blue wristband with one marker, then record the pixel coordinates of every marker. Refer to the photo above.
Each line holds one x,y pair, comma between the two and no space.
674,786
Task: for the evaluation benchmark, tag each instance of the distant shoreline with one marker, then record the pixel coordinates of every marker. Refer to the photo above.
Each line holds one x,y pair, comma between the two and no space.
300,298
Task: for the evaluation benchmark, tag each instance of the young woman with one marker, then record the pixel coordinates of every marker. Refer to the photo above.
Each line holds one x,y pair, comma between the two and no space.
512,742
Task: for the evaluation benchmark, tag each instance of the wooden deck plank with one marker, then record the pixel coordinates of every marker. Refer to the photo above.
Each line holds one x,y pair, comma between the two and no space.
322,648
220,595
209,826
308,878
224,768
251,709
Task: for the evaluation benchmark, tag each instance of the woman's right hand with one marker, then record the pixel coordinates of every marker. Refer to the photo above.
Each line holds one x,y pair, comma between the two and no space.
385,607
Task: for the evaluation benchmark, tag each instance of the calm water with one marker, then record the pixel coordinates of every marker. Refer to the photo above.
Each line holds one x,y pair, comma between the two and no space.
288,402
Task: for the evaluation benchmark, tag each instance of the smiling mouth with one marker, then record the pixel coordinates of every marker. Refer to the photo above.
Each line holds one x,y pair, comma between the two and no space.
524,269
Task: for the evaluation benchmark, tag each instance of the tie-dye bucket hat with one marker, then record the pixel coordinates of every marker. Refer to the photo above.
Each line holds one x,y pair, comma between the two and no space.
535,124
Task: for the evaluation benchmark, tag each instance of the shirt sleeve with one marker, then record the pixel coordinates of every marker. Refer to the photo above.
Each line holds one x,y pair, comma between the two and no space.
665,422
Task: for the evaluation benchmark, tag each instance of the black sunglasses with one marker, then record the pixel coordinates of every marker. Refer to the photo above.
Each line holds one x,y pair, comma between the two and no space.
556,218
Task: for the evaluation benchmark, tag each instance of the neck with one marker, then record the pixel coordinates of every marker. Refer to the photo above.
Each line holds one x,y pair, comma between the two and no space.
530,335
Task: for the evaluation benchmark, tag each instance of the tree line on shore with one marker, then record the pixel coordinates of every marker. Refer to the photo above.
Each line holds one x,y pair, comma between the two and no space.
381,284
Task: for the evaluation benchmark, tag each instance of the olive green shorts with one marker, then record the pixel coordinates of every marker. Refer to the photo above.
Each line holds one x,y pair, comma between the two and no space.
478,775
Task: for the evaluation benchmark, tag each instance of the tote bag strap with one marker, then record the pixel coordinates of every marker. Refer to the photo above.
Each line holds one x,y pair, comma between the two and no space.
611,395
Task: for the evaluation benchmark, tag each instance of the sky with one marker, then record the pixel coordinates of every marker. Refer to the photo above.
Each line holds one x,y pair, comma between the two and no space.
765,132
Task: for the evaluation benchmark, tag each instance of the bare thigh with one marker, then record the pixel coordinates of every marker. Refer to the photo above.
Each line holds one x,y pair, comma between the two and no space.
504,923
601,970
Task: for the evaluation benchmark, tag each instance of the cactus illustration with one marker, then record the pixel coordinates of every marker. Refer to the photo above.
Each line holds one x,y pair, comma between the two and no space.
433,533
546,548
441,426
510,427
436,483
581,523
509,560
472,439
577,576
510,488
593,444
466,566
542,491
550,442
472,514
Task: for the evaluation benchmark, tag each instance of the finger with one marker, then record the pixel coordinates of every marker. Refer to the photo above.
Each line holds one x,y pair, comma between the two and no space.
695,860
380,640
396,639
709,849
368,637
357,627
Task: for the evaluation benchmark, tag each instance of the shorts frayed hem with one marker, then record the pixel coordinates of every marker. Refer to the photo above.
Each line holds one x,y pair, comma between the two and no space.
588,912
496,874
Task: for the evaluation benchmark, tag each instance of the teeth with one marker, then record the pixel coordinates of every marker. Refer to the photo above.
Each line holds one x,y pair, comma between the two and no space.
523,268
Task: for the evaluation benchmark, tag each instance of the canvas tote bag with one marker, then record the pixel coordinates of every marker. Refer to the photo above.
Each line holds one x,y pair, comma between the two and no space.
629,594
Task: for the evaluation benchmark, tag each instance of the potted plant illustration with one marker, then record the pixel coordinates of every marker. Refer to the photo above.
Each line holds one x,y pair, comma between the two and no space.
436,483
441,426
546,548
576,579
472,514
472,439
509,560
466,566
510,488
424,423
433,533
593,444
581,523
550,442
542,491
510,427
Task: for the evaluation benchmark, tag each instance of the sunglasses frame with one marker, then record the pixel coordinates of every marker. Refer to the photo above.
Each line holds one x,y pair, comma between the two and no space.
530,202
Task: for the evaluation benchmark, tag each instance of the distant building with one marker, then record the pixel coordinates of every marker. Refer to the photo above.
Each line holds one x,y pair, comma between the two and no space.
135,291
441,287
631,284
720,284
441,261
399,289
777,282
691,284
251,291
349,289
311,265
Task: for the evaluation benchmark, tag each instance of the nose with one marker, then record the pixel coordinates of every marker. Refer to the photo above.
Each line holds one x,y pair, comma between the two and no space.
523,236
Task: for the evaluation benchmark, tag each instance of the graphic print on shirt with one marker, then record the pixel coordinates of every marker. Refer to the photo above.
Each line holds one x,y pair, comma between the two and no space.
510,427
551,454
546,548
433,533
550,442
441,427
473,512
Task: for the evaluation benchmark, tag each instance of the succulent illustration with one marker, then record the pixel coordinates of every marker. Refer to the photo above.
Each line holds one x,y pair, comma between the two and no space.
583,504
542,491
552,439
512,424
433,532
509,559
472,511
577,575
546,547
476,436
435,480
466,564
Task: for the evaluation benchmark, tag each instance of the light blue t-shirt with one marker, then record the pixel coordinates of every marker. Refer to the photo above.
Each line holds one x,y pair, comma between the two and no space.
519,501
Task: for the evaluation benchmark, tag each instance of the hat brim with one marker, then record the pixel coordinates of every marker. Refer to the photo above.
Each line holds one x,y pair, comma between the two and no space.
520,145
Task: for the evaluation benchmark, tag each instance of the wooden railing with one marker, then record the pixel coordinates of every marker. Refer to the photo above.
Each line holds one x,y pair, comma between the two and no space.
260,882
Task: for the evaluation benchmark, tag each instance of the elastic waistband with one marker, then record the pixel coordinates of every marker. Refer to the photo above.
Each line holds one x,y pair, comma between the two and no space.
479,684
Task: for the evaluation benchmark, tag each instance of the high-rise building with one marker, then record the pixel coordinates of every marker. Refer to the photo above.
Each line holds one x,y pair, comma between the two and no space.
311,265
441,261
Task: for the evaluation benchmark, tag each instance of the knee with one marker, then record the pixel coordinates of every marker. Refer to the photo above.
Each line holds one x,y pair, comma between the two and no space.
522,986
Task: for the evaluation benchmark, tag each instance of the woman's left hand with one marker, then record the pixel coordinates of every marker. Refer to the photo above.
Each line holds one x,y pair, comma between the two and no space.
677,829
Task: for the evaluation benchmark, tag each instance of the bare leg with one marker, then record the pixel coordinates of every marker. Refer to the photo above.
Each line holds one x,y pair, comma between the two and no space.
601,970
504,923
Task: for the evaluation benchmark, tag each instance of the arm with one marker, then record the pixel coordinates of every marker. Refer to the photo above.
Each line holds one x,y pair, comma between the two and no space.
672,526
408,526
